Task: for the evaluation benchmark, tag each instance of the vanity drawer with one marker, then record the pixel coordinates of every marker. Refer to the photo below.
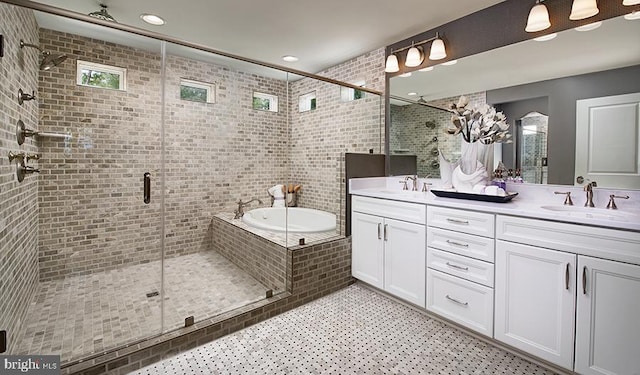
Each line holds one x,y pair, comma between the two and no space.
460,243
461,301
412,212
464,267
478,223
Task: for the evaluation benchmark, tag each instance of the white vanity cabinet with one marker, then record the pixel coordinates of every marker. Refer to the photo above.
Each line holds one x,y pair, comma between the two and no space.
388,246
551,277
460,273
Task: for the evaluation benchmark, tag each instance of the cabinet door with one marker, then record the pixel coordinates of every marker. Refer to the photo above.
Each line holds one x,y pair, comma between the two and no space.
607,328
367,255
535,301
405,263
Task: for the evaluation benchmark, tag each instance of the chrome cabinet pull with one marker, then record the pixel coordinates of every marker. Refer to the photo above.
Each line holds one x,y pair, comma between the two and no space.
385,232
457,243
458,267
456,301
146,188
566,277
379,231
456,221
584,280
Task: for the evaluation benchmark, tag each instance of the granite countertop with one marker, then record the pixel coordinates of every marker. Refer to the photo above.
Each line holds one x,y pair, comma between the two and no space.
533,201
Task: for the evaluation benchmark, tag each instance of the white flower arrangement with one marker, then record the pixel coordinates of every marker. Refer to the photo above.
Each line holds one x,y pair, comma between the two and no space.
481,124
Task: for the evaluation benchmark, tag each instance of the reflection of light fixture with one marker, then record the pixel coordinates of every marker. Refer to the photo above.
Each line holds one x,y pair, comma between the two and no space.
589,27
289,58
102,14
415,55
632,16
630,2
412,94
405,75
581,9
538,18
451,62
427,69
544,38
152,19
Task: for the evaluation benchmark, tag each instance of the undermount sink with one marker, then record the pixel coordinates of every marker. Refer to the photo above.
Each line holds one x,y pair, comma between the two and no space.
592,213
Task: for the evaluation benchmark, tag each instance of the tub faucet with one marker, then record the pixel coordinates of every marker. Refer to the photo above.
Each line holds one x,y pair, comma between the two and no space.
589,189
239,212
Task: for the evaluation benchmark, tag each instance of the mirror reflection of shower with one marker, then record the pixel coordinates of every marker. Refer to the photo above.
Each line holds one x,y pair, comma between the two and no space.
49,60
532,147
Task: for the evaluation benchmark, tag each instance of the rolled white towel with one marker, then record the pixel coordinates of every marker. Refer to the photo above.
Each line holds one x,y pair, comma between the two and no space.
278,195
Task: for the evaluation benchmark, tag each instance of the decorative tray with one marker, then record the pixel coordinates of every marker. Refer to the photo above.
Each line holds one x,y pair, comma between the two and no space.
474,196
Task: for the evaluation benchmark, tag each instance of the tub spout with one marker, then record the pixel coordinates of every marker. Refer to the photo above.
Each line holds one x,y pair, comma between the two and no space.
239,212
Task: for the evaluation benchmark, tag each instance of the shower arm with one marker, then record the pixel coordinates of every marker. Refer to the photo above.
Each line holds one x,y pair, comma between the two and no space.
23,44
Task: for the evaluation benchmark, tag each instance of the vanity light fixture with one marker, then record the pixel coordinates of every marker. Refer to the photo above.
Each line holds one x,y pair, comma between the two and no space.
544,38
589,27
581,9
152,19
415,54
630,2
538,19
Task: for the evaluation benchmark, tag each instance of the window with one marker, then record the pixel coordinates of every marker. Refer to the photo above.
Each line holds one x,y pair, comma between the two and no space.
197,91
348,94
265,102
307,102
103,76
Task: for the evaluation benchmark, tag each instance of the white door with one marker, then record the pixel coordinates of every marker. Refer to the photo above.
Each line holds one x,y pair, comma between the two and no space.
535,301
405,260
608,140
608,318
367,255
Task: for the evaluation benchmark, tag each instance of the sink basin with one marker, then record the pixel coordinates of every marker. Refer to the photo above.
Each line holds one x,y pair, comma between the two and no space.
593,213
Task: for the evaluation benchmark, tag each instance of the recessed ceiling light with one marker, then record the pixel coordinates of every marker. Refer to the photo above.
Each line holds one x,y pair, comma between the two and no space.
289,58
452,62
427,69
412,94
544,38
632,16
589,27
405,75
152,19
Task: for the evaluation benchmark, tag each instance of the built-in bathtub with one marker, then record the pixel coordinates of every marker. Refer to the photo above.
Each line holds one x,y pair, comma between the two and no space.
291,219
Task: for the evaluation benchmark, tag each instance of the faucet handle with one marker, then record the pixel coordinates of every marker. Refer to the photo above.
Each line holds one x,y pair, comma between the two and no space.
404,187
612,203
567,200
425,186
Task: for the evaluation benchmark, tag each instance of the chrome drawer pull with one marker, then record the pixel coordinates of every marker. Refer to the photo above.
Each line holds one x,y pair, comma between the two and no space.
379,235
566,277
458,267
584,280
456,301
457,243
456,221
385,232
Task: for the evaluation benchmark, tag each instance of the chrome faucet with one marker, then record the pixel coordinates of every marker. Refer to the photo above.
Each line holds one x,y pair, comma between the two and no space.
589,189
425,184
413,179
239,212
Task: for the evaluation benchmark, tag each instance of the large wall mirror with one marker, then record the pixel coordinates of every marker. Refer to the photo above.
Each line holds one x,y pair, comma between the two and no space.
539,85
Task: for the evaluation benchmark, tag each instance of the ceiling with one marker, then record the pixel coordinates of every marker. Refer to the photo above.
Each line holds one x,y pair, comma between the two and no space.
320,33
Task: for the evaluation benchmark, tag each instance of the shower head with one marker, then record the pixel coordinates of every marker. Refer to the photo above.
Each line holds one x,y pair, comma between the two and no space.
102,14
421,100
49,60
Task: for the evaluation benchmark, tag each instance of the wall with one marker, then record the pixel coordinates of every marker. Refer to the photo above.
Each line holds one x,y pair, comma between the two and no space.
319,138
409,132
18,201
562,94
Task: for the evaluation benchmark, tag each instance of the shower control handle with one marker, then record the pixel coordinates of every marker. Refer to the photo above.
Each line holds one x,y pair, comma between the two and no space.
147,188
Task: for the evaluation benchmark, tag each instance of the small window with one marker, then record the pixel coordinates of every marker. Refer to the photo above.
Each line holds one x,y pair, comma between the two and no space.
265,102
307,102
197,91
103,76
348,94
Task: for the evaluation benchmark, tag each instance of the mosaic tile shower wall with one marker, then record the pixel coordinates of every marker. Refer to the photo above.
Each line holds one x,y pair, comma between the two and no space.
18,201
319,138
412,136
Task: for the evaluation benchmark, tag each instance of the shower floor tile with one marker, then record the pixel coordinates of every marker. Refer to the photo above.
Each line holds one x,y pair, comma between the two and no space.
83,315
353,331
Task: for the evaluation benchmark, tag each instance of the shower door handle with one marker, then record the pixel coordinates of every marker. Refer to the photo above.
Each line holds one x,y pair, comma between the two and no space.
147,187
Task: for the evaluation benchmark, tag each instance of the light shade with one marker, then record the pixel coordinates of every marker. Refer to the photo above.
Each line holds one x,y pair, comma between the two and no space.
392,64
437,50
630,2
582,9
538,19
415,57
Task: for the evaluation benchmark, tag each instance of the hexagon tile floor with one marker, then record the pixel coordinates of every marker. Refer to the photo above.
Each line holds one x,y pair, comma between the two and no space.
353,331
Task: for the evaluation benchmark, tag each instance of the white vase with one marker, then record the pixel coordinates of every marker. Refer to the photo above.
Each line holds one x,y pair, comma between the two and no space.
471,170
